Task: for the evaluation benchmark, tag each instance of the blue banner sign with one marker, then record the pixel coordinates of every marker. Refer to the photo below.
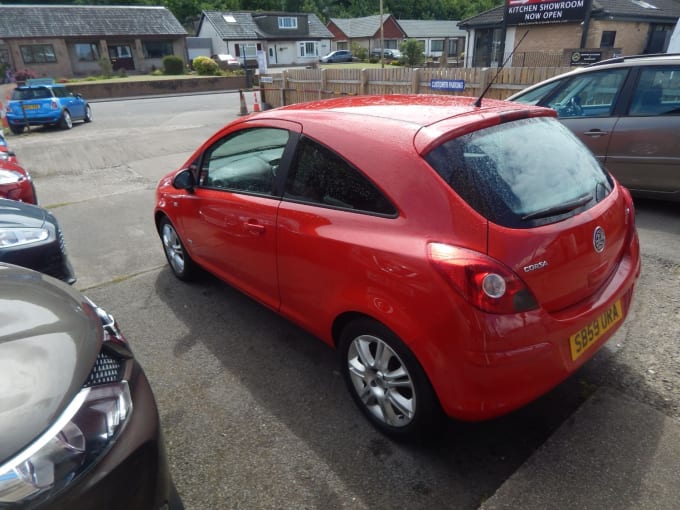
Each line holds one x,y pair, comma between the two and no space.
447,84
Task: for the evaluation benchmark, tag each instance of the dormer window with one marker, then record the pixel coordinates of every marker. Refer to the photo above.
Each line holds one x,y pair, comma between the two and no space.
288,22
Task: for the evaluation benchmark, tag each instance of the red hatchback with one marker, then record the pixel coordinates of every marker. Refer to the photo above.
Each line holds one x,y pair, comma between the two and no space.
15,182
460,258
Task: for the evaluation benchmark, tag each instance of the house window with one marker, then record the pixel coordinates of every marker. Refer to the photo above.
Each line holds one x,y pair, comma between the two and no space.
308,49
247,50
607,40
87,52
38,54
288,22
157,49
437,45
344,45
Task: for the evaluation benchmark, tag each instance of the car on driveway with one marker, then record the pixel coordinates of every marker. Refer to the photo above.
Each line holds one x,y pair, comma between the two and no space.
6,154
42,102
226,61
387,54
16,182
30,236
627,111
78,420
467,262
337,56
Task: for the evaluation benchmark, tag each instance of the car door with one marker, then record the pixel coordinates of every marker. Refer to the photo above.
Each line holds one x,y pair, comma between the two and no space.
586,104
68,100
644,151
231,217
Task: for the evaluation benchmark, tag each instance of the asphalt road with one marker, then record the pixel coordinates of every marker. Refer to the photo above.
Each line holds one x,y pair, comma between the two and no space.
254,410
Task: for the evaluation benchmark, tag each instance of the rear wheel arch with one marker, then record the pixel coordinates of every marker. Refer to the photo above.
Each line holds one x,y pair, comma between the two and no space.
397,396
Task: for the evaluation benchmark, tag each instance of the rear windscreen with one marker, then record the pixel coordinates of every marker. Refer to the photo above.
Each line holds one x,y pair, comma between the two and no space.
522,173
26,94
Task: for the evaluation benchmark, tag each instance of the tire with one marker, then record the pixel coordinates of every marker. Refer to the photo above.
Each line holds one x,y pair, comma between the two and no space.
66,122
88,114
387,382
179,260
17,130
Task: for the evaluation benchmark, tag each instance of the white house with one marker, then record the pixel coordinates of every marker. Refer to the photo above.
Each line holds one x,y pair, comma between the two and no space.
285,38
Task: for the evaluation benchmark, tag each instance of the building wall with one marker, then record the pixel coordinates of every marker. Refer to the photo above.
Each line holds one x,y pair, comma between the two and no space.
631,37
218,45
547,37
59,69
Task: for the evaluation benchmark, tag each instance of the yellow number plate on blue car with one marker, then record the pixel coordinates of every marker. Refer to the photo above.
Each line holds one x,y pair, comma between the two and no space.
586,337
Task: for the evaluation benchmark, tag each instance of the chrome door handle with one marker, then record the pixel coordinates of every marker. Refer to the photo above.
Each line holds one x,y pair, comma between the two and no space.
596,132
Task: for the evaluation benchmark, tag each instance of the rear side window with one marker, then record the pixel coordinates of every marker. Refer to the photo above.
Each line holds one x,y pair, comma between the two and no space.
522,173
322,177
657,92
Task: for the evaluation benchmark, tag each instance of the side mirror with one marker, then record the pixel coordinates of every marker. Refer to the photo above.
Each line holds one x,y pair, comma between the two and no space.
185,180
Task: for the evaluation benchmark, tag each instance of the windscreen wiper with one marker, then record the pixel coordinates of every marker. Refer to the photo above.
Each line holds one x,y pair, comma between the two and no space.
559,209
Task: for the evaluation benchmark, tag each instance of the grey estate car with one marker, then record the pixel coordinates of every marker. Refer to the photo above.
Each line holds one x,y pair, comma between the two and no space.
627,111
79,427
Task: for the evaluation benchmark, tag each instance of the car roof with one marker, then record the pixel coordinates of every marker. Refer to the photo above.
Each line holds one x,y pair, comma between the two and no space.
417,109
427,119
638,60
612,63
33,83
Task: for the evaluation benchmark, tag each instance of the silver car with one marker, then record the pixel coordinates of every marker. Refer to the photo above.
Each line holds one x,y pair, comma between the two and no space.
627,111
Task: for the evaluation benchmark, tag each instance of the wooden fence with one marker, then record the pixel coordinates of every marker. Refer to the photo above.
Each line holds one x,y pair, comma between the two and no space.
301,85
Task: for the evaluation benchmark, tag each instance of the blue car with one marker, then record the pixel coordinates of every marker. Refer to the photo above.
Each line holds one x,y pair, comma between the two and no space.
43,102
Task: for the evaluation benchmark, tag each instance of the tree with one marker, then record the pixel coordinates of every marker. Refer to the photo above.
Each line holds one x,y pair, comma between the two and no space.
413,52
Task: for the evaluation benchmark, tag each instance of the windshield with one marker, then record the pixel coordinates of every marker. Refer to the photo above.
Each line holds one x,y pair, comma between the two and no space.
522,173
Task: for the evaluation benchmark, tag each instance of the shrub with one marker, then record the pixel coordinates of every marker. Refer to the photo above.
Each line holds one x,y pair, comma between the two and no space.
205,66
24,74
106,67
173,65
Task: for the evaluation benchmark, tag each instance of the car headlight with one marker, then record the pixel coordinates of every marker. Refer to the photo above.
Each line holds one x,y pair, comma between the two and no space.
22,235
8,176
88,426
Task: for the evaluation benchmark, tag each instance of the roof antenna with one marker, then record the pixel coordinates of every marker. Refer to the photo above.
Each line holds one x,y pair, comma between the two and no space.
478,103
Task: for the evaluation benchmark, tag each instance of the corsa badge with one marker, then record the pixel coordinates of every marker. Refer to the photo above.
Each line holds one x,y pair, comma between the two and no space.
598,239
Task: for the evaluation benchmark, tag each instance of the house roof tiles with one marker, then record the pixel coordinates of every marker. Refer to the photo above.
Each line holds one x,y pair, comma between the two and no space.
420,29
354,28
256,26
33,21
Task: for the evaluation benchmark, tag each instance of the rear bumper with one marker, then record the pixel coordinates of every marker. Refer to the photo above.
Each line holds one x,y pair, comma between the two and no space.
34,120
521,357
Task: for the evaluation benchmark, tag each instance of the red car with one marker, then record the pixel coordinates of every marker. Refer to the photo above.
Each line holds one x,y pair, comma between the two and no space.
15,181
460,258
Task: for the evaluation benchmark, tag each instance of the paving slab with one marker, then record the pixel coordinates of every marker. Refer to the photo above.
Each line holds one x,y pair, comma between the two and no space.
613,453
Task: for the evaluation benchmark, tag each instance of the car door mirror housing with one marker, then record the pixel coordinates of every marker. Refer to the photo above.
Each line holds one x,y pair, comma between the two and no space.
185,180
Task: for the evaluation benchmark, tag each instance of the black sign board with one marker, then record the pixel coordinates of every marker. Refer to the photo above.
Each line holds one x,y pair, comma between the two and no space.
530,12
581,58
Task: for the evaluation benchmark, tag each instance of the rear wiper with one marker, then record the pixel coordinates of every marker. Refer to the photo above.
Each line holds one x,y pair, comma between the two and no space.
559,209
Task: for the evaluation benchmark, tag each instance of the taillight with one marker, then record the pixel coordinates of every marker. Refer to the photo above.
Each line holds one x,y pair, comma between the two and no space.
54,105
484,282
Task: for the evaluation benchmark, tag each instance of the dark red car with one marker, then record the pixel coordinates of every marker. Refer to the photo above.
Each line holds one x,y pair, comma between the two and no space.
460,258
15,182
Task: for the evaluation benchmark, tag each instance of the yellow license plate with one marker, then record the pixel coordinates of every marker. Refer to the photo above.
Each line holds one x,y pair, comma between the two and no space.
31,106
586,337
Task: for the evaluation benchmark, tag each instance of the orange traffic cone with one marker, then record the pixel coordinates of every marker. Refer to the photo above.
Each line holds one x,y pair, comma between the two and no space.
244,107
256,105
